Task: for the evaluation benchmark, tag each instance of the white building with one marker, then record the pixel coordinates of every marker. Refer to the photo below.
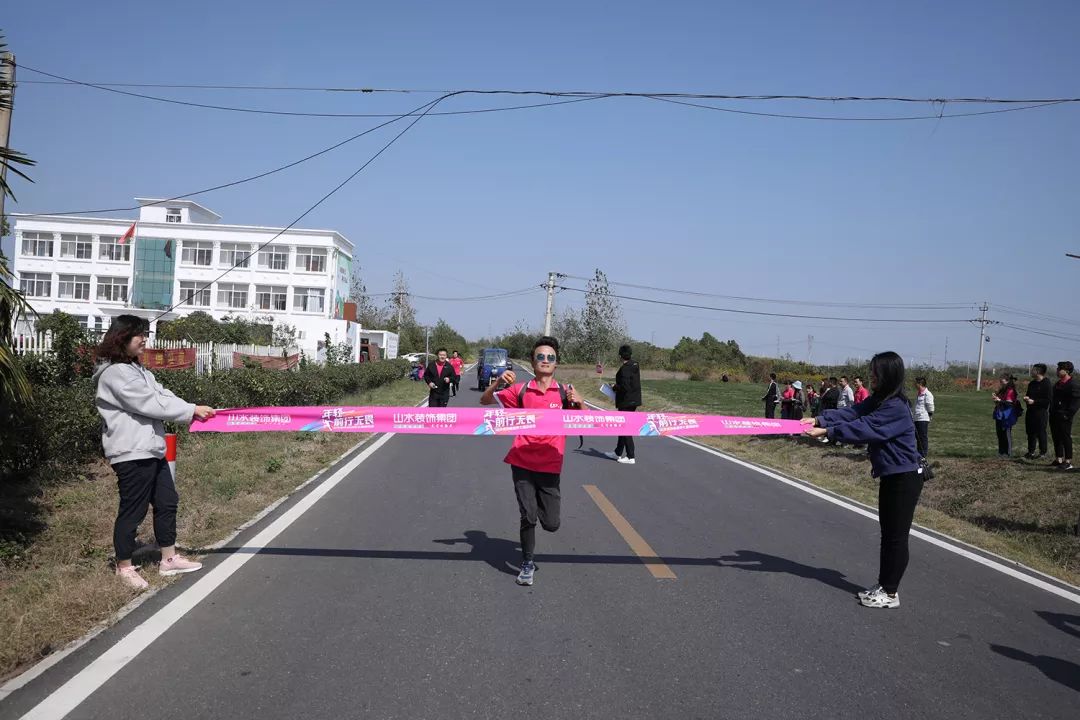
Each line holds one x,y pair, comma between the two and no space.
175,265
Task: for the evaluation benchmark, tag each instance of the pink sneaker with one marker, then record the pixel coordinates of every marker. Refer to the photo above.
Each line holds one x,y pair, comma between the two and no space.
177,565
131,577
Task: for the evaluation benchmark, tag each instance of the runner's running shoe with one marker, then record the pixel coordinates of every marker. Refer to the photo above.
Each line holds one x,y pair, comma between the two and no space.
881,599
525,577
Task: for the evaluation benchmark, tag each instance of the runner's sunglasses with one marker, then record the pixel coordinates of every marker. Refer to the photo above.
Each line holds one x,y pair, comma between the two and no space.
540,357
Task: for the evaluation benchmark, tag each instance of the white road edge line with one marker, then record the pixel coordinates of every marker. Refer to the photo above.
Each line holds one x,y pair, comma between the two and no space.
94,675
951,544
72,693
946,545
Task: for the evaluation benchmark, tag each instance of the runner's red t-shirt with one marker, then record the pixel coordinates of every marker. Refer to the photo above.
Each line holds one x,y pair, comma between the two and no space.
539,453
457,364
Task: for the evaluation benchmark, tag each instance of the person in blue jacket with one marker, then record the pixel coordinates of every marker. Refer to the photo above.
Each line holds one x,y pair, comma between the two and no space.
884,423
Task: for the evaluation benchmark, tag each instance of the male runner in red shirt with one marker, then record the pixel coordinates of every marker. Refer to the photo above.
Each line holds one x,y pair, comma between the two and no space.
535,460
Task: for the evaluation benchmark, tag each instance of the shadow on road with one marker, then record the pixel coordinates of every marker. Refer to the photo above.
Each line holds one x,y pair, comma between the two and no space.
1060,671
762,562
1062,621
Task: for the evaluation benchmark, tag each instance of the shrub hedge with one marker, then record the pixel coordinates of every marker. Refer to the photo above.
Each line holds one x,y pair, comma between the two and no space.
46,441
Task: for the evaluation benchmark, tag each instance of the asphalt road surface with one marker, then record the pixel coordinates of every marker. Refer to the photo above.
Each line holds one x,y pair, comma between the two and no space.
393,596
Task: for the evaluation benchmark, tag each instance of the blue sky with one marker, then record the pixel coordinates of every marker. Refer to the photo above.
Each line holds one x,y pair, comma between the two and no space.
954,210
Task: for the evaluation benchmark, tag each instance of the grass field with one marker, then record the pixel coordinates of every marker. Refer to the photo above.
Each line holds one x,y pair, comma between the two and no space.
1019,509
60,586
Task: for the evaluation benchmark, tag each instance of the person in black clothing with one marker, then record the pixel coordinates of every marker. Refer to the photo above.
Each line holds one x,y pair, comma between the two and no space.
1064,402
1037,399
830,395
439,376
771,396
627,398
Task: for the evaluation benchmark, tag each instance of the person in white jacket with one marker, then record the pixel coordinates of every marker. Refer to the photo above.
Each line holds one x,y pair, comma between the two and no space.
133,408
847,395
924,411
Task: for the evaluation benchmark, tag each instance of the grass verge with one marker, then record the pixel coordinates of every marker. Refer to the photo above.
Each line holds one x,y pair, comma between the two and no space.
60,586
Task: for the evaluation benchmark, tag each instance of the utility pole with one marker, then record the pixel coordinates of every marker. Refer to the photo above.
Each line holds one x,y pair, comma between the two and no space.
982,343
7,79
550,303
777,347
809,348
427,343
946,352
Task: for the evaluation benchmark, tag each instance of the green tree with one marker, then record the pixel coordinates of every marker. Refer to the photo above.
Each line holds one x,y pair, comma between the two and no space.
73,352
442,335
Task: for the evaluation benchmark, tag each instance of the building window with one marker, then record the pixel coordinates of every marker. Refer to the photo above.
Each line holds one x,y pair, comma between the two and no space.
112,289
274,257
197,253
37,244
77,247
73,287
192,294
309,299
234,255
271,297
109,248
172,215
231,295
36,284
311,259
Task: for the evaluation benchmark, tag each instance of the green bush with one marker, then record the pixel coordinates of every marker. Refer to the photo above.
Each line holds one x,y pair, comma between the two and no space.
47,439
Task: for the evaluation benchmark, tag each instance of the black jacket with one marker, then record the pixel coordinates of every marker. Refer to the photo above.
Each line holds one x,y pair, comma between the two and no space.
432,375
1039,391
628,385
773,393
830,398
1066,399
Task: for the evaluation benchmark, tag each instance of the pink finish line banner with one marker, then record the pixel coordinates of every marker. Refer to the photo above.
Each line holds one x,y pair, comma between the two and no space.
486,421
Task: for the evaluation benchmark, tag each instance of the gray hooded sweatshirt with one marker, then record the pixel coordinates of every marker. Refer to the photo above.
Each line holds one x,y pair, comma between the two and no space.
133,408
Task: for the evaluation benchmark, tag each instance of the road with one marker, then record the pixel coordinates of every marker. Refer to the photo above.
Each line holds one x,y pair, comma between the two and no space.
393,596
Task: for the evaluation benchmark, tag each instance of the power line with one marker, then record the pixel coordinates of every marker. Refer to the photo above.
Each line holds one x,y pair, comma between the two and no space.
427,106
896,118
293,113
259,176
579,95
1034,315
566,93
1045,333
912,306
770,314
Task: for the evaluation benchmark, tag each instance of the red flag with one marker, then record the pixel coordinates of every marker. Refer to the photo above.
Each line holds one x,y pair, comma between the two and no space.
168,249
128,235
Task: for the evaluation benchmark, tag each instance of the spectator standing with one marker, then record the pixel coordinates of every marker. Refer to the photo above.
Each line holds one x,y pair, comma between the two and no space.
884,423
785,401
1006,412
457,363
861,393
794,402
924,413
627,399
133,408
847,395
1064,403
439,376
771,397
1037,399
830,394
811,398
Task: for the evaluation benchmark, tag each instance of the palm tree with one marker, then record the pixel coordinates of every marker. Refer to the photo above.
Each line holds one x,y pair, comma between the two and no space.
14,386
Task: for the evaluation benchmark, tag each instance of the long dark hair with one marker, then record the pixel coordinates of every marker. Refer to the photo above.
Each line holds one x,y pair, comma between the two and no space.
114,345
887,369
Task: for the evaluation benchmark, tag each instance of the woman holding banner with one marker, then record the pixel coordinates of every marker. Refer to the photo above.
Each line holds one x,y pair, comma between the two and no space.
133,408
884,423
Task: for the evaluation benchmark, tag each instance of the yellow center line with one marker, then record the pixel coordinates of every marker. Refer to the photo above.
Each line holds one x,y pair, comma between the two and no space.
637,543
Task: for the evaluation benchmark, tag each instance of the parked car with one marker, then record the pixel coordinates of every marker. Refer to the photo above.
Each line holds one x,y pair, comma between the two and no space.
490,364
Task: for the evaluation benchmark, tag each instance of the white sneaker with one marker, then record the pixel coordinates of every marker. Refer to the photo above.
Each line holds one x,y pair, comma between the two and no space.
177,565
626,460
868,592
612,456
881,599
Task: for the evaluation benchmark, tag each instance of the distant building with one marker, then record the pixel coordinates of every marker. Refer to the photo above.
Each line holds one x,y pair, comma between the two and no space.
79,266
